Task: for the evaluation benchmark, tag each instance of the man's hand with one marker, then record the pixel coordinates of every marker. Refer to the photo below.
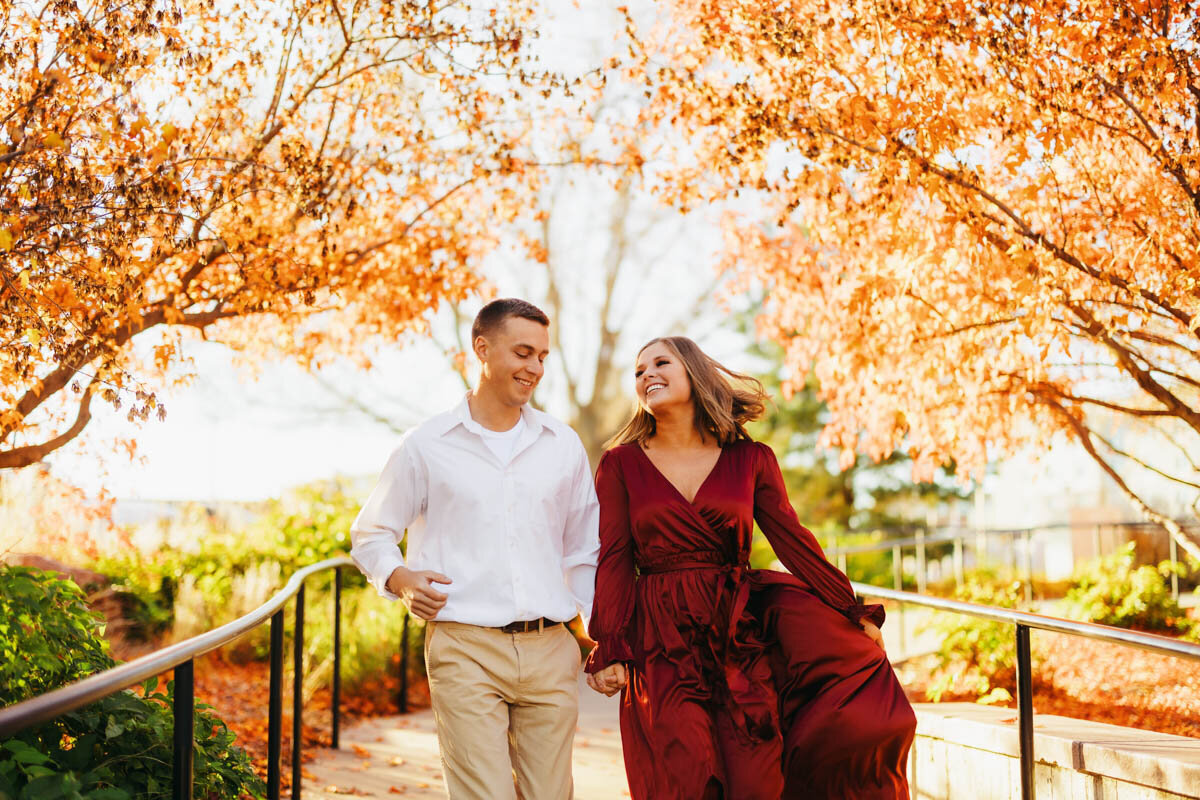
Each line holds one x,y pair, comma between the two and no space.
873,633
417,592
609,680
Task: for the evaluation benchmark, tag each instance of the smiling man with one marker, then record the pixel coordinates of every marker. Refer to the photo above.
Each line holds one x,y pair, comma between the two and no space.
502,523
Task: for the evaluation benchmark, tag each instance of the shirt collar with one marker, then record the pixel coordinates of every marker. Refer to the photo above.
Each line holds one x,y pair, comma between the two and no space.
461,415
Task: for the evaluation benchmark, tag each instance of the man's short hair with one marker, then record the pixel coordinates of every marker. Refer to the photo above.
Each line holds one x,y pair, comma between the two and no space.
491,316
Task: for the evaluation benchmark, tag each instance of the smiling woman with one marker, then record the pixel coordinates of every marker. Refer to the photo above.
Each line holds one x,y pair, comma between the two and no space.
775,684
677,365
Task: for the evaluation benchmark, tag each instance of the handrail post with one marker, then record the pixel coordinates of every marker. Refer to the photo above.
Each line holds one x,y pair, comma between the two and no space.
959,570
898,585
402,701
297,693
183,710
1025,710
921,577
337,656
1028,565
1174,557
1012,555
275,707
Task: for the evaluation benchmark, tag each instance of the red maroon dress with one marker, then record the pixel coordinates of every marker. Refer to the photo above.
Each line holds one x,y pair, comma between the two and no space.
744,684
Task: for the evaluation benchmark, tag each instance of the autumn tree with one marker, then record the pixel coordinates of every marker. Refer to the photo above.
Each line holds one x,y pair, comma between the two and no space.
610,263
295,178
981,222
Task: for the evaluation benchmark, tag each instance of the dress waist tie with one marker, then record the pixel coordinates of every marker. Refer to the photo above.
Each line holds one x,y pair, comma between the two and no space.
745,695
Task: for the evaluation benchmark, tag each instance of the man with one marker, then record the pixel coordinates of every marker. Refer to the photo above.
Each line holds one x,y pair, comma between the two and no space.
502,520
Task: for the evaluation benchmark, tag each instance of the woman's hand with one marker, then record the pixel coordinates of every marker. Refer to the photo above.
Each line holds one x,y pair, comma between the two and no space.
609,680
873,633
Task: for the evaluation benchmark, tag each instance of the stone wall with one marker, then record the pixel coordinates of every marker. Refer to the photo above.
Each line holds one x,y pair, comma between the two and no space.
965,751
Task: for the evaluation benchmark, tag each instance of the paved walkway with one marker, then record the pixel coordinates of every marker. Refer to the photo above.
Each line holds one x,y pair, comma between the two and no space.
392,756
398,756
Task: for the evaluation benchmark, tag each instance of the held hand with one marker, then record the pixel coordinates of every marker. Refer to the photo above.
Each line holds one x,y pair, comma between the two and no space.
609,680
873,633
416,590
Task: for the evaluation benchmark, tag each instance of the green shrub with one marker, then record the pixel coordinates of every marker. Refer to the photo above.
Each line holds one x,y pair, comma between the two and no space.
1112,591
118,748
977,656
870,568
308,524
371,630
225,572
873,568
229,571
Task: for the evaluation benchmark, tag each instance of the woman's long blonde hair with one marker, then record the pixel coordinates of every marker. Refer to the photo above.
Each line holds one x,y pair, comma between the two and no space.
723,400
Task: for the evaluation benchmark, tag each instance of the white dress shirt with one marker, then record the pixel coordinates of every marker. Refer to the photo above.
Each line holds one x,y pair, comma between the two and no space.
519,539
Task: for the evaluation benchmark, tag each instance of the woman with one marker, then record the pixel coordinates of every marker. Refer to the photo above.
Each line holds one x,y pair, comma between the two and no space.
739,684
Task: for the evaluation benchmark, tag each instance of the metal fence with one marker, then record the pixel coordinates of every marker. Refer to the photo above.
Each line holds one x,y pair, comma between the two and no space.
181,656
1023,623
1015,543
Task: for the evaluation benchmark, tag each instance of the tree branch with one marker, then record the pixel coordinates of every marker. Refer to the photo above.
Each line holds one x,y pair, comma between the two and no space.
1084,434
30,454
1104,441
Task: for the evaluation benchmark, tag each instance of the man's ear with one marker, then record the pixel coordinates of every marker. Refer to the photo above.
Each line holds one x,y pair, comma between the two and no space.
480,346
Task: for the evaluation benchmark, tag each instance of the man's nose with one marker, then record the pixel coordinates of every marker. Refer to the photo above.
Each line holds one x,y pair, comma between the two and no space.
538,369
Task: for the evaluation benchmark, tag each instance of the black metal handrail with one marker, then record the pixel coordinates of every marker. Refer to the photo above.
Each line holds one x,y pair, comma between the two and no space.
1024,622
180,657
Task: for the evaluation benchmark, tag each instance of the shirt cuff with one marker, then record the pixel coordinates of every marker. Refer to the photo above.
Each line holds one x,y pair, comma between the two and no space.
608,651
378,576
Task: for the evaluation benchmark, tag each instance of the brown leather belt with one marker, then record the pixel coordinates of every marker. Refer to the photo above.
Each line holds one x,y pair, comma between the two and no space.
527,625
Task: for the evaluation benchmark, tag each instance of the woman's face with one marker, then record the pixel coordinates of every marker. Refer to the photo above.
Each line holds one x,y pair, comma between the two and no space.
662,381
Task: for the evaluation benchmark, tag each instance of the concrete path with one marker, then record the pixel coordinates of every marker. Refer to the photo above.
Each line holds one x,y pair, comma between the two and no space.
398,756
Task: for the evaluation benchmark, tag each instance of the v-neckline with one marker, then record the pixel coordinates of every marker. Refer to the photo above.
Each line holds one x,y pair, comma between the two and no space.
669,482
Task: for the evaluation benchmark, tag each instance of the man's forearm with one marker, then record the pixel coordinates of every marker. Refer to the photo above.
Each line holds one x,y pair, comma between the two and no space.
377,558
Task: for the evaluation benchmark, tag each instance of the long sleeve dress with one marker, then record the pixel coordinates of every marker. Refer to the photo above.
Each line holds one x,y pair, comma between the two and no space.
744,684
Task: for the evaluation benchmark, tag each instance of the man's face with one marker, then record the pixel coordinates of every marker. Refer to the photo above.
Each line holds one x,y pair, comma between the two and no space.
512,357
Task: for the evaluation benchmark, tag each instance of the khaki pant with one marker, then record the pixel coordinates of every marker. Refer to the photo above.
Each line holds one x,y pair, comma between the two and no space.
506,706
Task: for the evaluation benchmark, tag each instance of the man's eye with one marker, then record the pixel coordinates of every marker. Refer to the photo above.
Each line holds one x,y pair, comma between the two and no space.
637,373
